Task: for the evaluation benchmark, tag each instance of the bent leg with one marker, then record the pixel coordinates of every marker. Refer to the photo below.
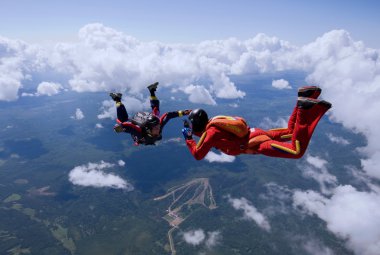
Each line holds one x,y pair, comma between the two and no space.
284,134
155,105
122,114
306,122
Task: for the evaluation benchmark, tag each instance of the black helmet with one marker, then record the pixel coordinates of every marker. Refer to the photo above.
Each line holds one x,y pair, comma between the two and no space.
152,121
198,119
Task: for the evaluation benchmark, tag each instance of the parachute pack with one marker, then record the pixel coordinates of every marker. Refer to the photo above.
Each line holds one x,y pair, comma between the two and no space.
141,119
234,125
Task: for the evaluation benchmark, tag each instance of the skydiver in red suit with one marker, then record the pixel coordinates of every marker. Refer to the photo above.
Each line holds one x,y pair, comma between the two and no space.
289,142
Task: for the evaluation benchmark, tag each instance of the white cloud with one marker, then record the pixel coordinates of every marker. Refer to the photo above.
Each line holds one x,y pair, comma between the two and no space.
316,248
198,236
221,158
316,169
281,84
132,105
45,88
121,163
349,74
194,237
98,125
250,212
349,213
48,88
104,59
78,114
12,57
316,161
92,175
268,123
199,95
337,139
213,239
108,110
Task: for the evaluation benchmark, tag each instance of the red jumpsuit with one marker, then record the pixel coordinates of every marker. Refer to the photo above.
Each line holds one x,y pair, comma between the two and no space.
290,142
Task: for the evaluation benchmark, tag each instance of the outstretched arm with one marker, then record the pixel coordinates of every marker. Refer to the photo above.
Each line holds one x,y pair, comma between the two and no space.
199,150
170,115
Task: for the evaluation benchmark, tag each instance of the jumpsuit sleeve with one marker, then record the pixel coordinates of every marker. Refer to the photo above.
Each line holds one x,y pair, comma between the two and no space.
131,128
168,116
199,150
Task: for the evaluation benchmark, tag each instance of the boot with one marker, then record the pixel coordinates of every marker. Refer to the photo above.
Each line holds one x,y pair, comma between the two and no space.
307,103
116,96
153,87
309,91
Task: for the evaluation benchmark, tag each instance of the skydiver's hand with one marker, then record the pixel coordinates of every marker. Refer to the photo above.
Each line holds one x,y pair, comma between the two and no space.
187,133
186,112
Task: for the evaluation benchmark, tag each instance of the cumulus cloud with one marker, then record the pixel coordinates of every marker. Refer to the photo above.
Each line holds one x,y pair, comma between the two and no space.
12,65
349,74
92,175
98,125
48,88
194,237
45,89
198,237
349,213
78,114
337,139
121,162
250,212
281,84
199,95
221,158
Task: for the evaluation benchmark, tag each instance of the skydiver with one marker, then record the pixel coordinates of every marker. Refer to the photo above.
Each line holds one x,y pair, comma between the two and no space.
145,128
289,142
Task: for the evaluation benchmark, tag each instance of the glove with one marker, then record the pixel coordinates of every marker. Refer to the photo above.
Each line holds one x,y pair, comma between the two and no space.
187,133
118,128
186,112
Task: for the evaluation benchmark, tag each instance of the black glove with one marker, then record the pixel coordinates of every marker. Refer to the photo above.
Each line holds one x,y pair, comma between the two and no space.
186,112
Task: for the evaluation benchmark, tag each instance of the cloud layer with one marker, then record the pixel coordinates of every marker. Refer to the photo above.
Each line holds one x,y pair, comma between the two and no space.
349,213
104,59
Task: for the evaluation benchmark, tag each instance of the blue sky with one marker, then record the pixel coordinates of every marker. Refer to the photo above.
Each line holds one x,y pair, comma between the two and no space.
171,21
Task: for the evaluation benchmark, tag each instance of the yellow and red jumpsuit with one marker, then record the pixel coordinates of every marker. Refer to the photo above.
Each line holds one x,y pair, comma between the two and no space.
289,142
